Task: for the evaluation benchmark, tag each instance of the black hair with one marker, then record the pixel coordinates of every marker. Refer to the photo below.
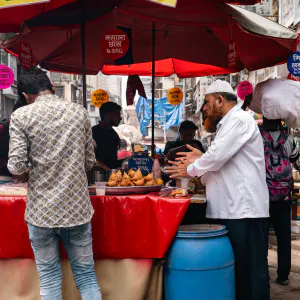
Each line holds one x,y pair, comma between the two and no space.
123,144
227,96
109,107
33,82
186,125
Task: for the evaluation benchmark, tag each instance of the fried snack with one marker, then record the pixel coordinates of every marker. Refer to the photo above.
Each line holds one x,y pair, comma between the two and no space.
149,177
138,148
137,176
150,183
112,183
126,176
119,175
113,177
179,193
126,182
131,173
159,181
140,182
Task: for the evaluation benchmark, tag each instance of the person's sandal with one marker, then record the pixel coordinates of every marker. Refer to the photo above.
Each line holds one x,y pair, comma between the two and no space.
282,282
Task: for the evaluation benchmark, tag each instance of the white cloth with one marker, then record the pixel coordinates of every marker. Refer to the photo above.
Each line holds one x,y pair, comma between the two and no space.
234,170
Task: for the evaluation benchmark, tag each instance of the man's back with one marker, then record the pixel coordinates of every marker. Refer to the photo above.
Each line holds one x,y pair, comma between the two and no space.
57,134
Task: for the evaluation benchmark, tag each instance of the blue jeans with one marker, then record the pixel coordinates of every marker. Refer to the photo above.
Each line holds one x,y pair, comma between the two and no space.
78,244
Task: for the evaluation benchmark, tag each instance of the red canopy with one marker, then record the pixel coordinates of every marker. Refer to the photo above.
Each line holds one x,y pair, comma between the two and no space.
165,68
12,18
193,40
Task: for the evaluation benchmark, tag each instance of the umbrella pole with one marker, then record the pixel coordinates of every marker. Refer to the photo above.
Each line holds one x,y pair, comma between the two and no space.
83,62
153,86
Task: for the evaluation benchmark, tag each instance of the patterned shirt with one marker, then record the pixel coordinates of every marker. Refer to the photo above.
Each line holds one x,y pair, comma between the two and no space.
53,139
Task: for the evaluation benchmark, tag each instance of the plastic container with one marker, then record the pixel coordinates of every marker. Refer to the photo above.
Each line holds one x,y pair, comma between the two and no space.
184,181
100,188
156,168
200,265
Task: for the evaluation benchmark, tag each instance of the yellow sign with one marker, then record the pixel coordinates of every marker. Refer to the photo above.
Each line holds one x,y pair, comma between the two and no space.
175,96
171,3
99,97
9,3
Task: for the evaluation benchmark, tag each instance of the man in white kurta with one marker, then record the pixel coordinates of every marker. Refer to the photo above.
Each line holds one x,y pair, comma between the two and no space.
233,171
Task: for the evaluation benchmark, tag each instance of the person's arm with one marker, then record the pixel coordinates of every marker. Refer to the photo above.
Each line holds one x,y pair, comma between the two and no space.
18,149
227,143
90,160
167,148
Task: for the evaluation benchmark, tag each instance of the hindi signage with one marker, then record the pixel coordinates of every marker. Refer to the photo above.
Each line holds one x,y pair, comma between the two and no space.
293,64
114,43
99,97
142,162
175,96
25,56
6,77
244,89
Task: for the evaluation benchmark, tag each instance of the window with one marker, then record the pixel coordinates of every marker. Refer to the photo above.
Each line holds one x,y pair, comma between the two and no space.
60,91
92,108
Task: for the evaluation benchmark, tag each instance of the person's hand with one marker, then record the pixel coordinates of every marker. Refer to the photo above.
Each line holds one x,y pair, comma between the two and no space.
178,169
189,157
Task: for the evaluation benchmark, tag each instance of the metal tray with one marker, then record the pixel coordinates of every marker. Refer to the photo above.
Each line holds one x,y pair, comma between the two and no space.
120,190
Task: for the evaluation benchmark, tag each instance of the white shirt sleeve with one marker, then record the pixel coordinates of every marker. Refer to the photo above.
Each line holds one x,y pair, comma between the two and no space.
228,142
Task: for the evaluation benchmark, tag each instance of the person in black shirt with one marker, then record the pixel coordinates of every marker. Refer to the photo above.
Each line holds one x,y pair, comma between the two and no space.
106,138
187,131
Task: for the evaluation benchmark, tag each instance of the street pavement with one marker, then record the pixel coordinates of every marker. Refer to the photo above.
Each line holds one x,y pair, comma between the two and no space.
291,292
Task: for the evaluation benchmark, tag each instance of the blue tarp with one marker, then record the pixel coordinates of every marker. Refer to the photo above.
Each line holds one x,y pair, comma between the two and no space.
144,112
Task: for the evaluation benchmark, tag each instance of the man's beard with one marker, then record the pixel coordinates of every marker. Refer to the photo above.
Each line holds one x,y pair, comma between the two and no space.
210,122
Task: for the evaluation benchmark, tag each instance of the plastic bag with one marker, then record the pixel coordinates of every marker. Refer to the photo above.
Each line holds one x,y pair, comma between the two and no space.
278,99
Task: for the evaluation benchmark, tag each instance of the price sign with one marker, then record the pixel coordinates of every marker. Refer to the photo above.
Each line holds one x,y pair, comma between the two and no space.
245,88
142,162
6,77
114,44
25,56
99,97
293,64
175,96
232,54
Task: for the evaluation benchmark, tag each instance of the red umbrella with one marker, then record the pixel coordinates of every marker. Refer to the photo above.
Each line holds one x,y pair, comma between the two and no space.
11,18
193,37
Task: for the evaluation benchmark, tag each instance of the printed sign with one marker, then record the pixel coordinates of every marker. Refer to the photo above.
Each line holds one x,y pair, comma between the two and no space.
25,56
171,3
99,97
114,44
293,64
232,54
175,96
9,3
142,162
244,89
6,77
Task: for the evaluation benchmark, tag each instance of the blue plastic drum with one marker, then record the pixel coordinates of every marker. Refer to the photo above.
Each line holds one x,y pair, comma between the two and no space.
200,265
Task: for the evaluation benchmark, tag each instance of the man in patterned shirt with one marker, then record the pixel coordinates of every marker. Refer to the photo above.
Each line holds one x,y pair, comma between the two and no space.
51,142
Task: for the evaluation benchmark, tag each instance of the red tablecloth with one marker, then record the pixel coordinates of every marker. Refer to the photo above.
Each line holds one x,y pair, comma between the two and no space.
123,226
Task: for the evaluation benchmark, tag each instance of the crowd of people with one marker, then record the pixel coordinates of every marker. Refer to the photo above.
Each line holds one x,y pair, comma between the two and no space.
247,173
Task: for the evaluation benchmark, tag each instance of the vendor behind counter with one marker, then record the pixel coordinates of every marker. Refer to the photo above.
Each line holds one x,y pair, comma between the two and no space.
187,132
106,138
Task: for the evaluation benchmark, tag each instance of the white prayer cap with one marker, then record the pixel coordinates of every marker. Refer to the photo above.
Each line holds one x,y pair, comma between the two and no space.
220,86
